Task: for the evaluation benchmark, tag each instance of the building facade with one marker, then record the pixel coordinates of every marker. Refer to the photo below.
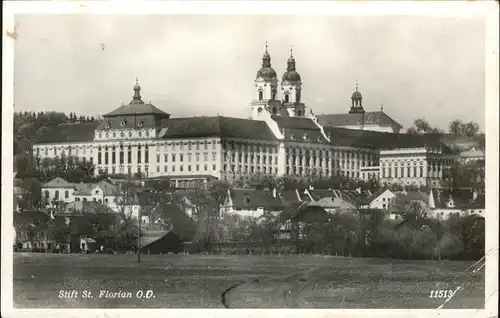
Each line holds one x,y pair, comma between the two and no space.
283,137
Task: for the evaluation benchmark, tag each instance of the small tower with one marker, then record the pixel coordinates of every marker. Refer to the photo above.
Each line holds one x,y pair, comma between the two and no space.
357,102
137,99
266,88
291,87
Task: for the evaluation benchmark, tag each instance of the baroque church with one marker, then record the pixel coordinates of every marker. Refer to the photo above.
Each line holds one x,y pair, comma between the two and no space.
283,137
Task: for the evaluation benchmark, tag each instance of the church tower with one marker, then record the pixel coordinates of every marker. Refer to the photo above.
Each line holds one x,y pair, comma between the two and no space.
291,87
266,89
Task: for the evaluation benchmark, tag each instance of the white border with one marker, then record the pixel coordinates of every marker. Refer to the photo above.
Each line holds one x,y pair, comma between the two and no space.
486,9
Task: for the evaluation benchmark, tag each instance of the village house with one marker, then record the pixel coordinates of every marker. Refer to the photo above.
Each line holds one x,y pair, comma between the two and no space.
59,190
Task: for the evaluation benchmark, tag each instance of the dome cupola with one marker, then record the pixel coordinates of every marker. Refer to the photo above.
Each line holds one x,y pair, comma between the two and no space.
266,71
291,74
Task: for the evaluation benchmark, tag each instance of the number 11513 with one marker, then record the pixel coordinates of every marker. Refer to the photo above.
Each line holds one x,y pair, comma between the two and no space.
441,293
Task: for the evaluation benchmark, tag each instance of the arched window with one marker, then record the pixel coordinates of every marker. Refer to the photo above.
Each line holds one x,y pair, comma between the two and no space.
129,154
122,155
47,194
274,94
287,98
56,195
66,194
261,95
297,96
113,155
275,110
299,113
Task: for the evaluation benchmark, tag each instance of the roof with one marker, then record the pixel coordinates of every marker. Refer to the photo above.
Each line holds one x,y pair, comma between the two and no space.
333,203
150,237
251,198
354,197
218,126
380,140
83,189
58,183
310,136
136,109
370,118
180,223
289,197
72,132
301,123
319,194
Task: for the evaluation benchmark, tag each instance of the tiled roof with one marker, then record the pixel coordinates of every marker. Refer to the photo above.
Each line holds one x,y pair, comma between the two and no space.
333,203
136,109
354,197
58,183
320,194
83,189
300,123
380,140
370,118
218,126
309,136
129,122
150,237
172,214
250,198
290,211
74,132
289,197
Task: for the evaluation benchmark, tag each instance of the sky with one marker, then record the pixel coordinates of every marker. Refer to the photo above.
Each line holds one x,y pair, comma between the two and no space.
193,65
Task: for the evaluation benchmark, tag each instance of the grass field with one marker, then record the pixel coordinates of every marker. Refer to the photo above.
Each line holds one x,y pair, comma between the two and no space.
197,281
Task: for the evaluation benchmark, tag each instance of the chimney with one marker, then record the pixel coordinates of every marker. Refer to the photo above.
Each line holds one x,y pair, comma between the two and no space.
274,193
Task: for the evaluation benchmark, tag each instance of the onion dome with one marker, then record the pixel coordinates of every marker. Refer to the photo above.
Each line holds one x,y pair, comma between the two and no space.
266,71
291,74
356,95
137,99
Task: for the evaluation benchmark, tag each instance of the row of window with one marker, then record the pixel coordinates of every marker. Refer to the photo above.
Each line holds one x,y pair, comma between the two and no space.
122,156
250,158
66,196
189,157
189,168
343,154
62,151
245,169
246,147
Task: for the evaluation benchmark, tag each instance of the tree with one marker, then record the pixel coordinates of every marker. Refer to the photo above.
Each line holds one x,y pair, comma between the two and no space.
422,127
456,127
459,128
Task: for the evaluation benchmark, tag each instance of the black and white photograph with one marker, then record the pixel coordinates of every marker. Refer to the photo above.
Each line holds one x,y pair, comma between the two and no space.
251,159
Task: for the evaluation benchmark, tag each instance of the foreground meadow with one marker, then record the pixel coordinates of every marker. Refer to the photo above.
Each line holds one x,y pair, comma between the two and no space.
198,281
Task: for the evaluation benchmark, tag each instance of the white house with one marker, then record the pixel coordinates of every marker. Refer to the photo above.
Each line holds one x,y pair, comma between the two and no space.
60,190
